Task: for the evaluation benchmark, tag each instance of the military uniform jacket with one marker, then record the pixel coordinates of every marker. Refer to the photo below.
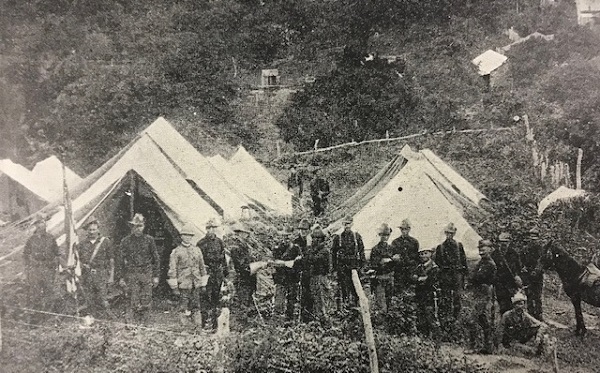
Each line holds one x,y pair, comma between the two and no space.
382,250
531,260
319,188
483,278
213,251
316,260
515,321
104,255
450,257
508,266
139,253
408,249
41,250
427,289
186,265
240,256
348,250
284,251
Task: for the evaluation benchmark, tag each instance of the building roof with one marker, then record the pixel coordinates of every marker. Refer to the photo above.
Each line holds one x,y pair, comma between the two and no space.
489,61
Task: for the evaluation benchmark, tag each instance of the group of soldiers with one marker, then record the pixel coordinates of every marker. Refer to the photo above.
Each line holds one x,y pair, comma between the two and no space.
302,263
320,188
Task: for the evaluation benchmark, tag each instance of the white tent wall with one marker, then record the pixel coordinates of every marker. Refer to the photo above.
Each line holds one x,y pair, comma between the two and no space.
267,189
195,167
422,203
50,174
166,182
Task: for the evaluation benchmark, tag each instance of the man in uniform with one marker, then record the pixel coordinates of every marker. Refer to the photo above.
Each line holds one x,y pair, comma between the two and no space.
450,257
283,284
381,262
347,253
41,258
187,276
518,325
315,264
508,279
97,258
319,192
425,276
532,273
405,254
240,256
295,180
139,267
482,283
293,279
213,251
300,247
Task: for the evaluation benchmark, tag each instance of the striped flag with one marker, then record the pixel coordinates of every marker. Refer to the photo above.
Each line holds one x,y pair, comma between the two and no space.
73,266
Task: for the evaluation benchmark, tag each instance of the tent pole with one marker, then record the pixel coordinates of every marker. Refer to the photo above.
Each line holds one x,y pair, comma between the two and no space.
132,195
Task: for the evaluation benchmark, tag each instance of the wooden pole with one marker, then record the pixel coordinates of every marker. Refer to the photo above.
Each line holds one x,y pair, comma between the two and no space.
555,358
578,170
366,316
0,330
132,196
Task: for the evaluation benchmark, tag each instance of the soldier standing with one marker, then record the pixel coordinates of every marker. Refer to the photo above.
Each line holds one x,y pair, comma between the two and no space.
319,192
213,251
139,267
405,254
426,279
450,257
348,253
240,256
98,266
295,180
381,262
300,246
508,279
41,258
187,276
316,266
482,283
286,278
532,273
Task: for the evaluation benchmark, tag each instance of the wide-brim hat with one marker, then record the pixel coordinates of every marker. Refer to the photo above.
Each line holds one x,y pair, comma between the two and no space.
450,228
484,243
239,227
138,219
405,224
212,223
187,230
384,230
519,297
304,224
317,232
91,220
504,237
425,248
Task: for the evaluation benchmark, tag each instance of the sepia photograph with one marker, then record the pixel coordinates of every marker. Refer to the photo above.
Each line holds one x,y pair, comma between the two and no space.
299,186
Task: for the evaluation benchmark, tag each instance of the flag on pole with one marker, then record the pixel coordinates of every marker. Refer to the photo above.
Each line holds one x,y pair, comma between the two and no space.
73,266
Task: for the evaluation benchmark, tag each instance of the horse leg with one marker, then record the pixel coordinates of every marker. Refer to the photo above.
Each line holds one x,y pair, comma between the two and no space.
580,329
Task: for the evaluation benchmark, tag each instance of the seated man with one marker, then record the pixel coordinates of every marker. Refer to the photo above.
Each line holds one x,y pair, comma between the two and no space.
518,325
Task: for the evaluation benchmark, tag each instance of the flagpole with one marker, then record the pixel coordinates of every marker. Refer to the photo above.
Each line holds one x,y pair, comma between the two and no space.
71,241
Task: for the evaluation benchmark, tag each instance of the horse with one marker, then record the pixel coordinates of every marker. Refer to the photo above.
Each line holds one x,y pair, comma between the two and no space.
571,273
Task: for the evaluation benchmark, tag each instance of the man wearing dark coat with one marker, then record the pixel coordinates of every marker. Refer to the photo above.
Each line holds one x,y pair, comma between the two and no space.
508,279
139,266
41,258
299,273
213,252
405,254
532,273
319,192
347,253
381,262
426,278
240,256
286,278
450,257
315,264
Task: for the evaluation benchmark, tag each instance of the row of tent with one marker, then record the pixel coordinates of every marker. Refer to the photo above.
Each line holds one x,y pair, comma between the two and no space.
161,173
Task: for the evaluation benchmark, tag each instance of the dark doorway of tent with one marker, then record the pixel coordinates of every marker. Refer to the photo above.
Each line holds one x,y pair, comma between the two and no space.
130,195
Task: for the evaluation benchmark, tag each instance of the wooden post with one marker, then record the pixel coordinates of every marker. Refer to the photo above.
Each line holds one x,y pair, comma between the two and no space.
366,316
278,149
316,144
555,358
578,170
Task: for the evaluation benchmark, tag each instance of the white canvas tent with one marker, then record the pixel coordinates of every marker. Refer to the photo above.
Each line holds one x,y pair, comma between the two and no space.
20,192
421,187
49,173
260,183
143,172
222,195
561,194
